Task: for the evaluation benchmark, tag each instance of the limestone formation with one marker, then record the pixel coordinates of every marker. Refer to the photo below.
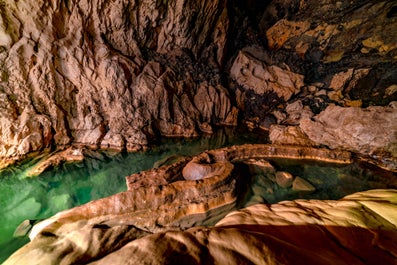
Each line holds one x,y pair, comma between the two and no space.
358,229
371,131
191,192
253,74
119,75
301,185
109,74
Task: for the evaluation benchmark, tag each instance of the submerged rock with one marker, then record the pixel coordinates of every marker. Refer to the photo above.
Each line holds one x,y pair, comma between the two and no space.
284,179
301,185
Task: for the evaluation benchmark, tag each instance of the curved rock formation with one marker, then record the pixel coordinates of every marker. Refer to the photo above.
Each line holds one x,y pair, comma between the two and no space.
358,229
161,200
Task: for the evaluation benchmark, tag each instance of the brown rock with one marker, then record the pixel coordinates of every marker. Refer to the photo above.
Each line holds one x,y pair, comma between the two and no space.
252,73
297,232
284,179
292,135
365,131
301,185
86,80
259,166
69,155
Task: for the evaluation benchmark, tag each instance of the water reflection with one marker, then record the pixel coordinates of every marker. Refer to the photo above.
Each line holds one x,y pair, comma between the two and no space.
102,174
99,175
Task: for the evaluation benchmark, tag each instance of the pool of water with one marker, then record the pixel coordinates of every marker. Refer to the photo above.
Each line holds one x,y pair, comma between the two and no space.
98,176
101,175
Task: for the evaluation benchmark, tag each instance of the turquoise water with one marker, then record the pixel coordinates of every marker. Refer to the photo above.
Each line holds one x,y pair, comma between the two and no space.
96,177
102,174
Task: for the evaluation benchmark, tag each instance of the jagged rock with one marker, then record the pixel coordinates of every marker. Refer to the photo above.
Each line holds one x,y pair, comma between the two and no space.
296,111
366,131
292,135
328,31
254,74
301,185
110,75
284,179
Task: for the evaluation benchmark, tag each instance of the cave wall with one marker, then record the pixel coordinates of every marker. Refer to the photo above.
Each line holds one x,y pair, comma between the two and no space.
120,74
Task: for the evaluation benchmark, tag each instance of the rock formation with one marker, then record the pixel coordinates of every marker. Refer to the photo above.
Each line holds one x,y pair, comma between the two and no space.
120,75
152,222
110,74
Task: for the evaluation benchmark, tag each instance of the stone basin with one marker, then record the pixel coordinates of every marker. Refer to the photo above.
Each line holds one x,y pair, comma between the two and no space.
168,216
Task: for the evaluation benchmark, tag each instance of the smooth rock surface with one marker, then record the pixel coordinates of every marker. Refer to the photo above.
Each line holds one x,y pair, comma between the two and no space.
358,229
284,179
158,200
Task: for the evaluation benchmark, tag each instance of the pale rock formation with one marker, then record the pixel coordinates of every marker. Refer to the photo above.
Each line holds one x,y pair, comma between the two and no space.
371,131
358,229
69,155
301,185
254,74
293,135
259,166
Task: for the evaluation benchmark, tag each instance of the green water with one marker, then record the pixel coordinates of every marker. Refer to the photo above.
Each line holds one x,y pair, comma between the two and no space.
102,174
96,177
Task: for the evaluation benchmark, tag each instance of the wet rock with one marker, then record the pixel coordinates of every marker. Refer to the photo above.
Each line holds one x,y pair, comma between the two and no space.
301,185
364,223
24,228
259,166
284,179
69,155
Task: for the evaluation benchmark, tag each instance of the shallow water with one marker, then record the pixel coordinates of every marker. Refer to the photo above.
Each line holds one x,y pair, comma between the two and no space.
101,175
98,176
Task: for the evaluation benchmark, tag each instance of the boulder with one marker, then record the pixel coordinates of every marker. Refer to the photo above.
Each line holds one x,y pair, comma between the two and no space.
301,185
284,179
371,131
254,74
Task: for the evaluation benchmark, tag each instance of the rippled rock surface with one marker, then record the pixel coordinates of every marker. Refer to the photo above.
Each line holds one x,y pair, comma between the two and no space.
152,221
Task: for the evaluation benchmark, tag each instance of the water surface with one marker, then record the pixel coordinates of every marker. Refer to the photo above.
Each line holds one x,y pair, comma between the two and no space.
101,175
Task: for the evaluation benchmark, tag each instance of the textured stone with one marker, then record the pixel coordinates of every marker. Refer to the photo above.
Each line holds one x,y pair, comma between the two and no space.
292,135
254,74
109,74
296,232
366,131
301,185
329,31
284,179
257,167
68,155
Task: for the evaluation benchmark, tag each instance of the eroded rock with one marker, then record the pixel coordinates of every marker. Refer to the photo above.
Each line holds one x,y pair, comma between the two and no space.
254,74
111,75
366,131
